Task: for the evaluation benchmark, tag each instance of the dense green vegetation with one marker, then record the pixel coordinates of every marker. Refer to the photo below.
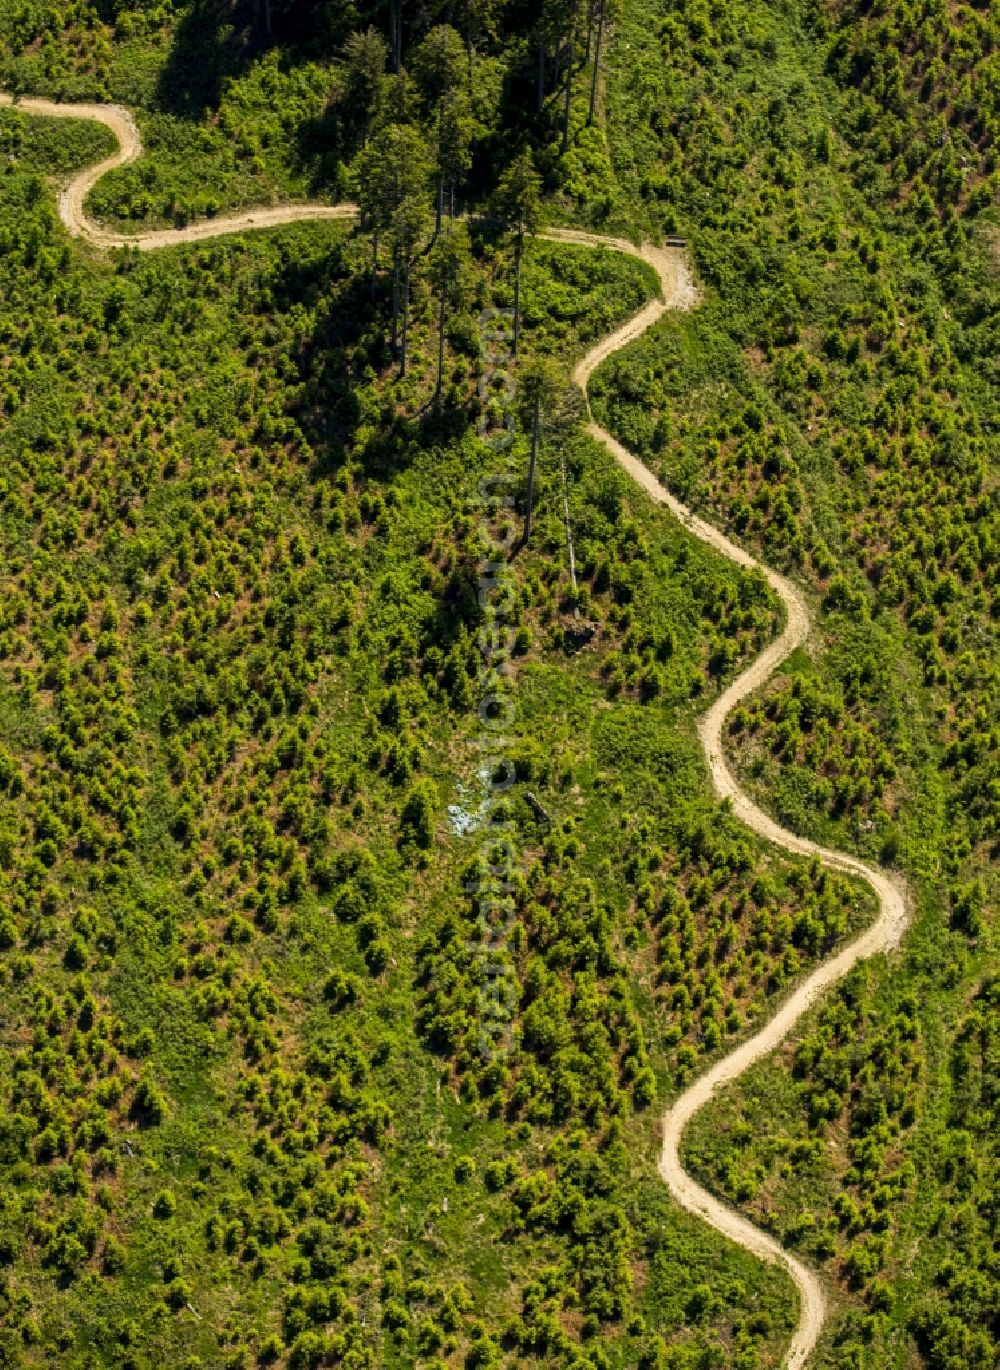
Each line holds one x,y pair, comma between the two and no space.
836,405
246,1111
51,148
239,646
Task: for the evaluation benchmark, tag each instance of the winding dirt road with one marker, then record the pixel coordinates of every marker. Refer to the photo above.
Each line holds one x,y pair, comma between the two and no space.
678,291
123,126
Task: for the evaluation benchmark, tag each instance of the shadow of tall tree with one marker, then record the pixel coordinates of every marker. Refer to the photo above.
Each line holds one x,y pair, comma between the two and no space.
336,363
214,41
324,147
218,40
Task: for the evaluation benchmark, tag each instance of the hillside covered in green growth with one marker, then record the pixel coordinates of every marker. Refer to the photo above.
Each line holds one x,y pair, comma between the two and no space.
246,1116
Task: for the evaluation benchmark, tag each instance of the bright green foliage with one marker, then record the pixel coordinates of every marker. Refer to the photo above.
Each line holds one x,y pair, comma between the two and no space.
244,979
239,661
833,402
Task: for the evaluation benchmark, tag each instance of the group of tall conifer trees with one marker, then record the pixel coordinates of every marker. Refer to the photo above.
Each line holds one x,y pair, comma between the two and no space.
423,111
424,106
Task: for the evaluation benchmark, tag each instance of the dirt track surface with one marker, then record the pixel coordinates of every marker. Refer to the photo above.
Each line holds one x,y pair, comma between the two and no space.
678,292
122,125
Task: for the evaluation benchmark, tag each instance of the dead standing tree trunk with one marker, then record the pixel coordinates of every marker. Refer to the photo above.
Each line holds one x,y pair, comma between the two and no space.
442,315
597,63
569,530
540,384
396,35
569,91
395,301
406,316
518,253
529,504
540,76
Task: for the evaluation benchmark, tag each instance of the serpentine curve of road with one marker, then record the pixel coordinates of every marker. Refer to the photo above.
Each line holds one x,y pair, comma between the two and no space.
678,291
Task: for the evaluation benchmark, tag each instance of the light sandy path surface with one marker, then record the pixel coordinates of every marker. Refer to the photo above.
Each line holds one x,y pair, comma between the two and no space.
122,125
678,292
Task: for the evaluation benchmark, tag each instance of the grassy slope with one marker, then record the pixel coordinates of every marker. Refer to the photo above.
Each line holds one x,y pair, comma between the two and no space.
238,423
688,416
777,241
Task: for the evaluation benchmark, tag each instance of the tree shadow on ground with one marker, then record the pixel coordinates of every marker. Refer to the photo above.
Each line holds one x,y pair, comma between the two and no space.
216,41
323,150
213,42
348,345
